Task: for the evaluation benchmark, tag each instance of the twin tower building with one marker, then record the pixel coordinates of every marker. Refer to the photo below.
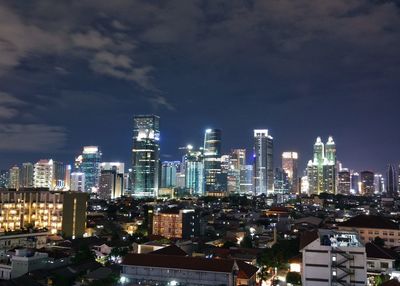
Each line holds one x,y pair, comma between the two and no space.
203,168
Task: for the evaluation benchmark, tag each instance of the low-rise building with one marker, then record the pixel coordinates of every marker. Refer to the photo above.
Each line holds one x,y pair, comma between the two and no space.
370,226
380,259
333,258
29,239
175,223
153,269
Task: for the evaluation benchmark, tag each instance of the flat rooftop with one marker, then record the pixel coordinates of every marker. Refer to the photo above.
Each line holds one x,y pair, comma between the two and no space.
340,239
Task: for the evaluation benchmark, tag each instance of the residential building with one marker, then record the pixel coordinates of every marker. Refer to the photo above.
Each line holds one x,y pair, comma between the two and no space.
35,239
370,226
111,184
380,259
26,175
146,155
49,174
78,181
60,212
333,258
289,165
344,182
367,180
156,269
175,223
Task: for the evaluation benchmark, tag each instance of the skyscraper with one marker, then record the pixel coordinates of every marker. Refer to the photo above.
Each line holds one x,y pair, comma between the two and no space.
194,171
4,178
344,182
379,184
89,164
289,165
146,155
78,181
263,162
26,176
212,159
14,178
169,169
48,173
367,183
391,181
322,170
355,182
111,184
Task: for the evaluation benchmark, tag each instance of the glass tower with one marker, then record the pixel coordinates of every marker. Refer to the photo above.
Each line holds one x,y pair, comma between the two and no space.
391,184
194,171
146,155
263,162
212,158
26,176
89,164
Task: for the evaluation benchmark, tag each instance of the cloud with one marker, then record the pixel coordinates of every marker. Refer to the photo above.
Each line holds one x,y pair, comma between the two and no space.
9,105
160,101
91,39
31,137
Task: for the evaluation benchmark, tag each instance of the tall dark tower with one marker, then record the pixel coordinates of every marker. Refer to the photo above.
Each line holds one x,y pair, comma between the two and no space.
212,158
391,182
145,155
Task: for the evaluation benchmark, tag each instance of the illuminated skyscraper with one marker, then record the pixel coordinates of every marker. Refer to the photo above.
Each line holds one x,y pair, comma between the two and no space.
194,171
355,183
289,165
322,170
367,183
391,182
212,159
26,175
49,174
344,182
89,164
111,184
169,169
379,184
4,178
14,178
146,155
263,162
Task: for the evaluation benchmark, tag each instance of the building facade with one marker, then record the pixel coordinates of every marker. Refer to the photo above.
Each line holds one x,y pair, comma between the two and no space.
263,162
212,159
289,165
89,164
146,155
111,184
176,223
194,171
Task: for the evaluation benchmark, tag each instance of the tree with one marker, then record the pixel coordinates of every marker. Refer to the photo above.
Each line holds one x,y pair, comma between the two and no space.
293,278
247,242
84,254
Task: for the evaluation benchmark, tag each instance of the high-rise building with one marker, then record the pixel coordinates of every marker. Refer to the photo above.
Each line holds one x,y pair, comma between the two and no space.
89,164
281,184
391,181
146,155
111,184
212,159
263,162
289,165
119,166
169,169
50,174
367,183
322,170
194,171
379,184
78,181
67,184
246,179
26,175
4,178
355,183
344,182
14,178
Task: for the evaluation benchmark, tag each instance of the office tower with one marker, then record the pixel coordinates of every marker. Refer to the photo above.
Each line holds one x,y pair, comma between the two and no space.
146,155
304,185
263,162
67,180
238,158
169,169
379,184
26,175
237,164
78,181
89,164
111,184
194,171
281,184
119,166
367,183
289,165
229,176
59,212
212,159
48,173
355,183
322,170
14,178
4,178
59,176
344,182
246,179
391,181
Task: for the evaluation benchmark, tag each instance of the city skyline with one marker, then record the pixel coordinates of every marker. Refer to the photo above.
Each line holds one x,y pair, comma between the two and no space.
232,65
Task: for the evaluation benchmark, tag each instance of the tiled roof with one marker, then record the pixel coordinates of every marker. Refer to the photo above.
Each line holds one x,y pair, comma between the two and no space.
190,263
307,237
376,251
170,250
370,221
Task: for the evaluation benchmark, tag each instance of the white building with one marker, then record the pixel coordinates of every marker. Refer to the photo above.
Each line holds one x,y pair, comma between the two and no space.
333,258
78,181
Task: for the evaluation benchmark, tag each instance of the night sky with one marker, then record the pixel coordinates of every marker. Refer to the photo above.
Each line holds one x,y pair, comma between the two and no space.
74,73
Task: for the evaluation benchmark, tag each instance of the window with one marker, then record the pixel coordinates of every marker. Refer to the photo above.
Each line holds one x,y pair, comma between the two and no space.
384,265
370,264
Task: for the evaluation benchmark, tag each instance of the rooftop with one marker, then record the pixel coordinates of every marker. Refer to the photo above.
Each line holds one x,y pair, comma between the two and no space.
370,221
